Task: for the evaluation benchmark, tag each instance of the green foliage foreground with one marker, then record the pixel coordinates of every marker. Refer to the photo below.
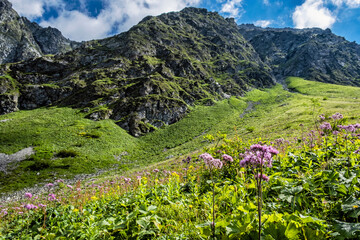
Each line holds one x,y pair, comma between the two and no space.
312,193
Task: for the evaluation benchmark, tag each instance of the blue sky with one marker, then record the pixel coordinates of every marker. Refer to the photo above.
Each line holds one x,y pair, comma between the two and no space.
93,19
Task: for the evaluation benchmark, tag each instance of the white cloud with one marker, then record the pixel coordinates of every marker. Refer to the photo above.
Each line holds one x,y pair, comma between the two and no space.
78,26
312,13
262,23
231,7
347,3
118,14
267,2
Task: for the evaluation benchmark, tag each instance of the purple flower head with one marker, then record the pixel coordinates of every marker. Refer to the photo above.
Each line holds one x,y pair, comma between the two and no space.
258,155
50,185
138,177
217,163
42,205
187,160
69,186
30,206
263,177
227,158
325,126
156,170
28,195
52,197
337,116
127,180
210,162
322,117
335,132
207,158
348,128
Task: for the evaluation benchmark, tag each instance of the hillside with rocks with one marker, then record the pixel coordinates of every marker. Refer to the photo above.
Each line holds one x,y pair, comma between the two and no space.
144,78
313,53
151,75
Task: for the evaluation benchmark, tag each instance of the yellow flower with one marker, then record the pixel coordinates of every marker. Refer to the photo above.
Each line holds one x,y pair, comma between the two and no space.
190,206
355,206
76,210
94,198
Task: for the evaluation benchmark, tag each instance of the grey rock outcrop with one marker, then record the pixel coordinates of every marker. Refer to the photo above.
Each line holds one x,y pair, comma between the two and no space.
313,53
22,40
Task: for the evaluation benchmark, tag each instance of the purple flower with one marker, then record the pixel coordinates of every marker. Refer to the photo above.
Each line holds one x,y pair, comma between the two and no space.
156,170
349,128
50,185
258,155
227,158
42,205
69,186
217,163
138,177
210,161
30,206
325,126
52,197
28,195
127,180
187,160
263,177
207,158
337,116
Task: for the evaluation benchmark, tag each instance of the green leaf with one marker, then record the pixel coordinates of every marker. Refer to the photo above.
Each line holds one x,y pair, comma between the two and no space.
347,230
292,231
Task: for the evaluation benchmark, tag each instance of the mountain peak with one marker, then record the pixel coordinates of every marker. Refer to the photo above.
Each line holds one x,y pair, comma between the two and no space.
5,5
21,39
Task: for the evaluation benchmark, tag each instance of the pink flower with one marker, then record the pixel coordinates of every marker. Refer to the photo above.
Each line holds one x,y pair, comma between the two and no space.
52,197
227,158
30,206
156,170
28,195
258,155
50,185
263,176
69,186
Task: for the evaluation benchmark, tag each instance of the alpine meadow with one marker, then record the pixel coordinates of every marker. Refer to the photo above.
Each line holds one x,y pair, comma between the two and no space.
186,126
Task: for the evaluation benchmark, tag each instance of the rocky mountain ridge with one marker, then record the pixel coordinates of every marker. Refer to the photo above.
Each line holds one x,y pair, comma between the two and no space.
314,54
145,78
21,39
151,75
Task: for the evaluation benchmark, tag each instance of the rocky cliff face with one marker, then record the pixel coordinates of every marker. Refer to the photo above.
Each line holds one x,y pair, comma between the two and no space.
149,76
313,54
146,77
21,40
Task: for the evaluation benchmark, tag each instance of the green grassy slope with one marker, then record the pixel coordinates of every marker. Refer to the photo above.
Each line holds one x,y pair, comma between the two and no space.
67,144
